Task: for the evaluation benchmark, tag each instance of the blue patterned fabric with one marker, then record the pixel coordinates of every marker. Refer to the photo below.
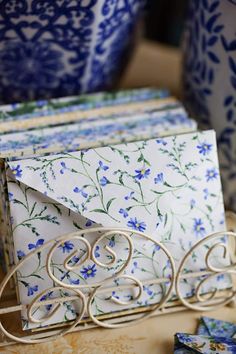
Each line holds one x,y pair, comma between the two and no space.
63,47
210,79
213,327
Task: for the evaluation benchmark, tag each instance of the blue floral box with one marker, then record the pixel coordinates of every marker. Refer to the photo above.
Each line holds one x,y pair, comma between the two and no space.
167,187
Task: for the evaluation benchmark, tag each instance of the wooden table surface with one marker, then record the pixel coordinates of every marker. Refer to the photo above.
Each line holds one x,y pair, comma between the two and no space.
152,65
153,336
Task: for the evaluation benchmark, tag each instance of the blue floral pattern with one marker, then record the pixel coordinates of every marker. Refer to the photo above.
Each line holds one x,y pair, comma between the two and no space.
156,186
187,343
213,327
59,48
82,135
210,79
37,109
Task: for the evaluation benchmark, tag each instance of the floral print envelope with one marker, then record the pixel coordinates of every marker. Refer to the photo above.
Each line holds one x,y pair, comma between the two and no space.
103,161
213,327
186,343
28,110
167,187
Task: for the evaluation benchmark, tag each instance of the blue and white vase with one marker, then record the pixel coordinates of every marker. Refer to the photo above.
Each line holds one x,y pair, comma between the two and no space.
209,77
55,48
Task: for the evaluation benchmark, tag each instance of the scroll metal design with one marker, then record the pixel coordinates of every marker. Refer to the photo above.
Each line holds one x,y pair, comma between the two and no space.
84,294
213,299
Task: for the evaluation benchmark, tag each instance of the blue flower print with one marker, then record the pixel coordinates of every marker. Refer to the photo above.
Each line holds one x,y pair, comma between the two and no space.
112,242
220,277
198,227
39,243
156,248
211,174
74,281
32,290
89,272
46,297
143,173
114,295
89,223
136,225
66,275
20,254
129,196
17,171
78,190
66,247
206,193
161,141
168,264
147,290
135,266
123,212
102,166
104,181
204,148
74,260
184,338
159,178
63,168
96,253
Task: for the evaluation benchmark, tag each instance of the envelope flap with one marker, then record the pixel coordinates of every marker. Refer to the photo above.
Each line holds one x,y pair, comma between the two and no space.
138,185
192,342
219,328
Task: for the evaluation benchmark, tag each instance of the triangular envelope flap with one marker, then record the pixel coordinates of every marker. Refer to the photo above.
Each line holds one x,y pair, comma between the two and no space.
190,341
219,328
138,185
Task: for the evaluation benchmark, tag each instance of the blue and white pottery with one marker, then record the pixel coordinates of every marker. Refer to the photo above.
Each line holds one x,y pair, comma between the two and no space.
52,48
209,78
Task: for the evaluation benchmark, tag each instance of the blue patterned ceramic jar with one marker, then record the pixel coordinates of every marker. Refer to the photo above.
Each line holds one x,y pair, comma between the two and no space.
210,78
51,48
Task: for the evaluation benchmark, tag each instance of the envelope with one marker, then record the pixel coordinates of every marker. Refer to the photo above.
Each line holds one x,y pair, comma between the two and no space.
87,134
166,187
29,110
19,117
27,129
213,327
187,343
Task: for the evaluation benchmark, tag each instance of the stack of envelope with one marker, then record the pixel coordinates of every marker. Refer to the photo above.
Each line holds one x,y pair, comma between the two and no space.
128,160
213,336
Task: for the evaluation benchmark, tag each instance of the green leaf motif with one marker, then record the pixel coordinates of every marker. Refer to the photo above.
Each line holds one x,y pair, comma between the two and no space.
109,203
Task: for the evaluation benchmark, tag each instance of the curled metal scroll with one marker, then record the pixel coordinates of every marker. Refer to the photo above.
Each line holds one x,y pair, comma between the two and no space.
85,293
203,301
90,254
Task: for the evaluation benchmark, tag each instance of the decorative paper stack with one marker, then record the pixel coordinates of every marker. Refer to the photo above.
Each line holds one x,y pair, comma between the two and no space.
129,160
